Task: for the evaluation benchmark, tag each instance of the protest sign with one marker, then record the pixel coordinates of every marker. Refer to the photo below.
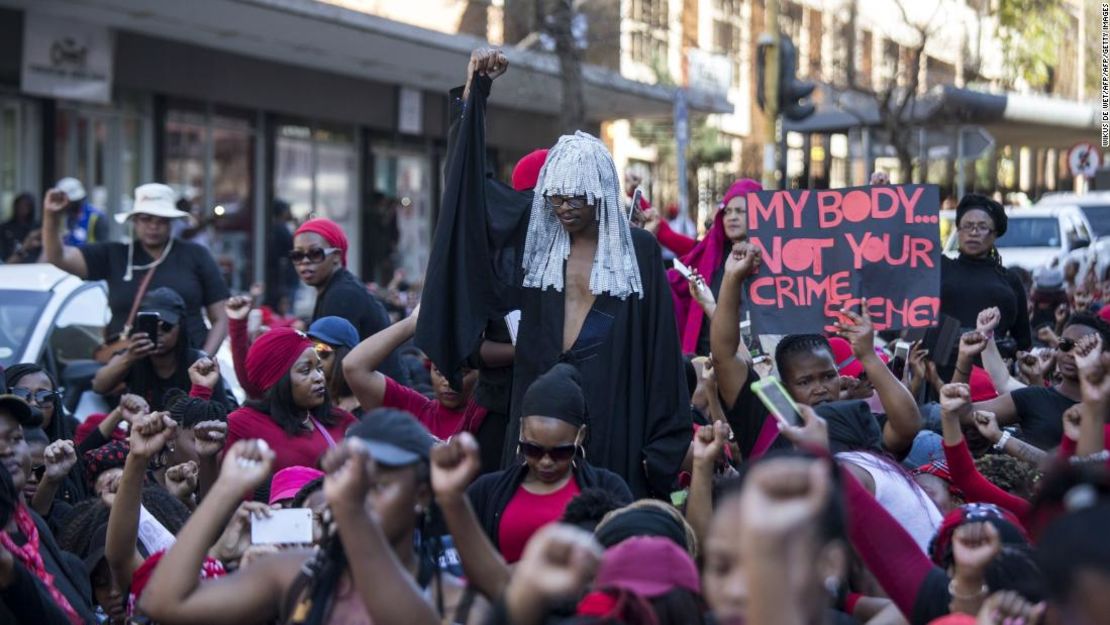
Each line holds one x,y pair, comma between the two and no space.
875,248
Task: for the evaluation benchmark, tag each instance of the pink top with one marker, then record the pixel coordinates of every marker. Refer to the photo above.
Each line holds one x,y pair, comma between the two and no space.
527,513
300,450
442,422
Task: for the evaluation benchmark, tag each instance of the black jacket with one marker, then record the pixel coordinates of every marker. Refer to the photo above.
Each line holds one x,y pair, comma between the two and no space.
345,296
491,493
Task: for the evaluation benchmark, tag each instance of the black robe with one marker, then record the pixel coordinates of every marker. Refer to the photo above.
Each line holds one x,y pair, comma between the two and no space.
628,351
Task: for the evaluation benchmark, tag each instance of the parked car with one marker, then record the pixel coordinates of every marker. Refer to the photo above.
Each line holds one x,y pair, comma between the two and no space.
1096,208
1039,236
56,320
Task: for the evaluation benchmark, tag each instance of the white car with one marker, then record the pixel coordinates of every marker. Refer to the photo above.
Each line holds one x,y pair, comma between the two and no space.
57,321
1096,209
1038,236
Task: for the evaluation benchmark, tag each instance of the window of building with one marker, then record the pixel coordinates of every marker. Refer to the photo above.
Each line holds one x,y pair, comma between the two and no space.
728,35
208,158
647,28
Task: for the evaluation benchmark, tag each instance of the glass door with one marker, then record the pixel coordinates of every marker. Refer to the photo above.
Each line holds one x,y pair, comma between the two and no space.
403,213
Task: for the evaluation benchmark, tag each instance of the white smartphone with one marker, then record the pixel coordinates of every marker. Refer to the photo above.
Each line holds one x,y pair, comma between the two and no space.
682,269
283,527
902,350
513,321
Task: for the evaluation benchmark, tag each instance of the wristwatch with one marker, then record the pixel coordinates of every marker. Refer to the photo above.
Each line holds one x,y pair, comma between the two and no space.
1002,440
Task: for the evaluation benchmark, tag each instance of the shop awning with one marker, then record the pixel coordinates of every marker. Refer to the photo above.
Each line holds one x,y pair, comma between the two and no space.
1011,118
338,40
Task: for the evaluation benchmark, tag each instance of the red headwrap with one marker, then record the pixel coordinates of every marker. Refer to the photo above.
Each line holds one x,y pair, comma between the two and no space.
331,232
272,355
526,173
210,568
706,257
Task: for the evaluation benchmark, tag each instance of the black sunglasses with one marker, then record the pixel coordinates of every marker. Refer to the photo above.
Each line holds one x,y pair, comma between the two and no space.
561,453
1066,345
314,255
38,472
40,397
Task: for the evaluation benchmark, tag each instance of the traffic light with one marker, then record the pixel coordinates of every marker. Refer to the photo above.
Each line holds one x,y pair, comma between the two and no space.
792,91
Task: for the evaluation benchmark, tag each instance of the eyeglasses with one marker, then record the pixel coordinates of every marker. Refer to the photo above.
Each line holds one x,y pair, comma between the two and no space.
40,397
314,255
976,228
560,453
577,202
1066,345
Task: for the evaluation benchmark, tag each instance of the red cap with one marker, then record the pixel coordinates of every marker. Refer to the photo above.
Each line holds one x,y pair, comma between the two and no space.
649,566
526,173
331,232
289,481
272,355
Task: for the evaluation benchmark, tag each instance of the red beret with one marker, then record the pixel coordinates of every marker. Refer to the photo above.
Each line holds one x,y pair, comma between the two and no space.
331,232
526,173
272,356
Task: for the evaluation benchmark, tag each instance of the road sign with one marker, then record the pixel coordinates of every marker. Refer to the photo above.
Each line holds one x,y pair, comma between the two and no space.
977,142
1084,159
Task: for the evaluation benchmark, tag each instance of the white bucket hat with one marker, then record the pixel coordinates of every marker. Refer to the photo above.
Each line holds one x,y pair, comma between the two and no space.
154,199
73,189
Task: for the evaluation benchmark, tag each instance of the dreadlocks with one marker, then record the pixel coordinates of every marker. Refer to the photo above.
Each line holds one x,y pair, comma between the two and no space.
580,164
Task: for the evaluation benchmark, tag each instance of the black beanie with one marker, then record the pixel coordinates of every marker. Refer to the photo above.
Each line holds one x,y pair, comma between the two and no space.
557,394
975,201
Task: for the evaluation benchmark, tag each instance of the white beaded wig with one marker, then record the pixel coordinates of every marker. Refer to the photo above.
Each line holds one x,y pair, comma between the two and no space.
580,165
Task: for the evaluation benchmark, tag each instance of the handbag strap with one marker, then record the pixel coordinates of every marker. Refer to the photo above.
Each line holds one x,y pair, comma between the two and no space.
327,435
143,286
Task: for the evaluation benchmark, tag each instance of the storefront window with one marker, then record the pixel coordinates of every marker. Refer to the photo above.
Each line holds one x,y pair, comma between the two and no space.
9,157
209,160
403,186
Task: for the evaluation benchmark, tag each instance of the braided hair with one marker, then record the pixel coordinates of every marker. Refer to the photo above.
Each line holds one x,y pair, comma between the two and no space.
795,344
189,411
321,574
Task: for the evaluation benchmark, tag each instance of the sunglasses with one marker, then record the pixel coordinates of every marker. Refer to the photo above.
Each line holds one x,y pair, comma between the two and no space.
323,349
165,327
1066,345
577,203
314,255
38,472
40,397
560,453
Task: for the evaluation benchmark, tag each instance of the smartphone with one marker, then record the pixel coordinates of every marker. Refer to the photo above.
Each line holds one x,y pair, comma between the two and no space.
682,269
147,323
283,527
778,402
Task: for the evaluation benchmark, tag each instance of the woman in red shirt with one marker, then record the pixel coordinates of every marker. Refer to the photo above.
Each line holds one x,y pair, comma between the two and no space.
295,415
514,503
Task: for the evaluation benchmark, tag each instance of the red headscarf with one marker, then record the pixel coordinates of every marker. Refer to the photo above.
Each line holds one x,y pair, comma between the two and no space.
527,170
272,355
706,257
331,232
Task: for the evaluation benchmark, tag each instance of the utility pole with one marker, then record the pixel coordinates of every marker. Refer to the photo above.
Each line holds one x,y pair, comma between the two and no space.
771,93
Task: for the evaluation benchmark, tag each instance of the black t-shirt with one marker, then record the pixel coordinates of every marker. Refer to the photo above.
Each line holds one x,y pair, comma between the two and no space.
189,269
345,296
746,418
1040,411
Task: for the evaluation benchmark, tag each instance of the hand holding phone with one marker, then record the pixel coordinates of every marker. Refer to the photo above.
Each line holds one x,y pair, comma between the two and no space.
282,527
778,402
147,323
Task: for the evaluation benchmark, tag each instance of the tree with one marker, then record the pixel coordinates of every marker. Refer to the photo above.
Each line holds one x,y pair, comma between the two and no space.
559,25
894,96
1030,32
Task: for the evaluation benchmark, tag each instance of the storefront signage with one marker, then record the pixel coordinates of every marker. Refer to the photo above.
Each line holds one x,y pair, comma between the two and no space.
410,111
67,59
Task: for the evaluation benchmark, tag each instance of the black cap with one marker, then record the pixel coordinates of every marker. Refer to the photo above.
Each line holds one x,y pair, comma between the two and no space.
166,302
17,408
395,437
557,394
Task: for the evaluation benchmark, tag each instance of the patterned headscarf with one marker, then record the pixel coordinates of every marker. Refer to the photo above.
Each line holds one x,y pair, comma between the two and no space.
580,164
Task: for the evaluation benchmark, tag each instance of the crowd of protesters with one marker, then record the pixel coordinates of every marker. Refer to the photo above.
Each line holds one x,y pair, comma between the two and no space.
605,461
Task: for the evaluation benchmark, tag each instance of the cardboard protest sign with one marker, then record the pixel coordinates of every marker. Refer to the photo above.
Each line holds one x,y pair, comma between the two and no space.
823,250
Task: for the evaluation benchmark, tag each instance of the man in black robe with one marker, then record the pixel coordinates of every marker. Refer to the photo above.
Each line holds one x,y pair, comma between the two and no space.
591,291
